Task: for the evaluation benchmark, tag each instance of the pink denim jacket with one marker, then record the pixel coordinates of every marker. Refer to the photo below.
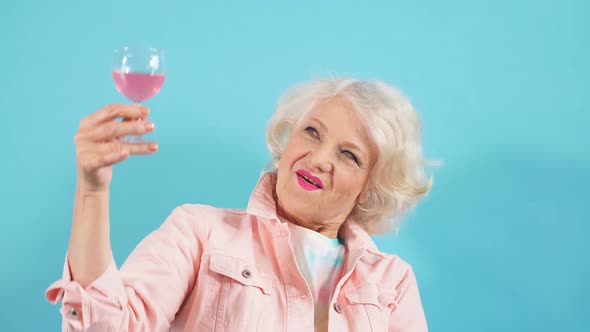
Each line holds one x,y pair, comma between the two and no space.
212,269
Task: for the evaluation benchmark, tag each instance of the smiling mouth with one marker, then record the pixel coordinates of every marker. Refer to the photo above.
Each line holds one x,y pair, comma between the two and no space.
306,183
309,180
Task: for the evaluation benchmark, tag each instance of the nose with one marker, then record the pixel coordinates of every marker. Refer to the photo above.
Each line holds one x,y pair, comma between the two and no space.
321,161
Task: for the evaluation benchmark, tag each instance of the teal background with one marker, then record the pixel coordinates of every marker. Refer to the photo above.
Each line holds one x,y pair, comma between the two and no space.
502,87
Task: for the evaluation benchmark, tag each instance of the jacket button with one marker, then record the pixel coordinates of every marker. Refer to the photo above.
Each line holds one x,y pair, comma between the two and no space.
337,307
73,314
246,273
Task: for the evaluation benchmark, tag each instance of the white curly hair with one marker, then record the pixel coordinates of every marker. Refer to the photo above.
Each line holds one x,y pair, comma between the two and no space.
397,181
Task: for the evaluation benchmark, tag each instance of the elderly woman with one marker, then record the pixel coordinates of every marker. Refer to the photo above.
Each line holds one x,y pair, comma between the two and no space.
347,163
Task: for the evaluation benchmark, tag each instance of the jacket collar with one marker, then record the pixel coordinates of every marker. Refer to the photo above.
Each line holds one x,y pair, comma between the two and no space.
263,203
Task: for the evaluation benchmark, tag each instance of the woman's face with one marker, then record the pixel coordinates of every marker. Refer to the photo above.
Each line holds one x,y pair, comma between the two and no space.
325,166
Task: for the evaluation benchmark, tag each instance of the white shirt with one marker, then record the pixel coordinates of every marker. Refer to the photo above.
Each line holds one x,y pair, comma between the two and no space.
319,259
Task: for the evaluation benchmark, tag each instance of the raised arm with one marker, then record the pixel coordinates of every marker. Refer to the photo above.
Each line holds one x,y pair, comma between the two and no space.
148,290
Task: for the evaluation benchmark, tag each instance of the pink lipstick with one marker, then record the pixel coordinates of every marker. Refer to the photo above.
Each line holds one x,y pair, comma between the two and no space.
308,181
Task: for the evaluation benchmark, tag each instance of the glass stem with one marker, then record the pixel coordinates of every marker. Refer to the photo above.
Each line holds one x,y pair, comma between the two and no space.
138,104
136,138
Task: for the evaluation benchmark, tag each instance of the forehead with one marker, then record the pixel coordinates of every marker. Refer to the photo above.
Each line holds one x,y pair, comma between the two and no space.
338,115
341,120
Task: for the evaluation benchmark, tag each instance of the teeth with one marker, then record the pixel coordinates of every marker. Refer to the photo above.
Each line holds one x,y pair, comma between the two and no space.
308,179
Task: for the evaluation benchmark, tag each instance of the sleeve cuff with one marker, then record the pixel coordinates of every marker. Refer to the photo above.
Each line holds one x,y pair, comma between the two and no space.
83,306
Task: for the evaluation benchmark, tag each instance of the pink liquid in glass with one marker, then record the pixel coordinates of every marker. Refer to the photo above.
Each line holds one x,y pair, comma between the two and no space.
138,86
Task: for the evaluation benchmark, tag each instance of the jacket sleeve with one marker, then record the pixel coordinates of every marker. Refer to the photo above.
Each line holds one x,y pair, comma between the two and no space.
408,316
146,293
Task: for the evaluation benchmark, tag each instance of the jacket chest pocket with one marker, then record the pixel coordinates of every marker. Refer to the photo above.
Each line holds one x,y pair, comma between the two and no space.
371,306
243,293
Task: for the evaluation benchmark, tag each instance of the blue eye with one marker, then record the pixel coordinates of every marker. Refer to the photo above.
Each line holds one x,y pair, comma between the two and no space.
312,131
351,156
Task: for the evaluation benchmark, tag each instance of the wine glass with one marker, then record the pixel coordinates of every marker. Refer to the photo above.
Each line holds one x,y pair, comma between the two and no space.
138,73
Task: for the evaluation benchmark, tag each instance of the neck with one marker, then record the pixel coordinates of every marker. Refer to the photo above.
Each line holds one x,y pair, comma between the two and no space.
328,229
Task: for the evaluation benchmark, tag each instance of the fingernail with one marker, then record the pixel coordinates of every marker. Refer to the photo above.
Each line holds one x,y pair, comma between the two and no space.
149,125
144,110
153,147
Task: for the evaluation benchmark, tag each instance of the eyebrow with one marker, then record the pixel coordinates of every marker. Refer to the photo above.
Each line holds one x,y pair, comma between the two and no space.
324,128
346,143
